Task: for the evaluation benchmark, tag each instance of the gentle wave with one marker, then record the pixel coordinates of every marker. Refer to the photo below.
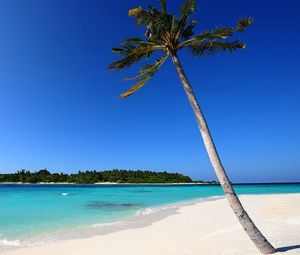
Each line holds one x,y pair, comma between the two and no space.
100,225
145,211
13,243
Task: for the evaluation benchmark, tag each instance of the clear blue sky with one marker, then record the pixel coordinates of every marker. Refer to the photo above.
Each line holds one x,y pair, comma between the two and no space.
59,107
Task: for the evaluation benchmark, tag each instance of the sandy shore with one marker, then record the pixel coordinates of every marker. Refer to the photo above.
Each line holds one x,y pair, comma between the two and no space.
201,228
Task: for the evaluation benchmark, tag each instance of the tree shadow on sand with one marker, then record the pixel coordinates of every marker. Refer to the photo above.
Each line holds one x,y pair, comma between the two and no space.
288,248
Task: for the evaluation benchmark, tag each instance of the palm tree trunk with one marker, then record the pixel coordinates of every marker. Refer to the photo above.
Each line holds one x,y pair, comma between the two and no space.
253,232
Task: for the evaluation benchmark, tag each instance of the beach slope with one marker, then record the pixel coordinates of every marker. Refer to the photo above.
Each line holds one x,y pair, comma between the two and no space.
201,228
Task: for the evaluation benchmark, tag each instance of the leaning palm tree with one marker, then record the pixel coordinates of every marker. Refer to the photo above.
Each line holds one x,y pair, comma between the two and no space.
167,34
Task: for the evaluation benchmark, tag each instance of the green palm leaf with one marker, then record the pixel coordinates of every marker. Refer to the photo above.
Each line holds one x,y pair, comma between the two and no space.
163,6
188,31
144,76
217,34
135,11
187,9
242,24
133,50
211,48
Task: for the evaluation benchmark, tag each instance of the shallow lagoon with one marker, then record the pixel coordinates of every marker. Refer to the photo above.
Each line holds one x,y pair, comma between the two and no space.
28,211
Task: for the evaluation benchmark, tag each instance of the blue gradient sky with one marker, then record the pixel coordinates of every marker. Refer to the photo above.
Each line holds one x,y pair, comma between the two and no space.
59,107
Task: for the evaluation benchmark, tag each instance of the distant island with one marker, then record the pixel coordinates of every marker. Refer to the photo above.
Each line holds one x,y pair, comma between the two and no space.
97,177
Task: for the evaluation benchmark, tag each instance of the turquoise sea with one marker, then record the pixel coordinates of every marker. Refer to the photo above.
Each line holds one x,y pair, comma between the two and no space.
32,214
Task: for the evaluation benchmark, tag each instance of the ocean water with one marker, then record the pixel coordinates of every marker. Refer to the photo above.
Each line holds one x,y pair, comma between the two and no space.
31,214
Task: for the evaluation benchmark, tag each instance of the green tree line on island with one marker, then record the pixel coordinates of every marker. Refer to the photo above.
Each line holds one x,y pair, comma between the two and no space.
90,177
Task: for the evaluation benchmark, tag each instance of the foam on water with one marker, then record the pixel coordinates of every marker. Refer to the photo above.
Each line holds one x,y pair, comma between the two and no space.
145,211
101,225
14,243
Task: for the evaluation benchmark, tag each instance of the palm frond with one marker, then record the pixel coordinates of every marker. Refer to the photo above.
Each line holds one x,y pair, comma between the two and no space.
188,8
143,17
174,25
135,11
163,6
156,22
219,33
144,76
188,31
216,34
133,50
212,47
242,24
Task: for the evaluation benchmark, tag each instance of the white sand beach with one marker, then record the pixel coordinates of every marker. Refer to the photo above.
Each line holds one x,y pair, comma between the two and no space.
207,228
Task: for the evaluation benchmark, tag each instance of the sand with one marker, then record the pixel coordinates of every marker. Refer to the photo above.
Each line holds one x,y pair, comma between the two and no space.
201,228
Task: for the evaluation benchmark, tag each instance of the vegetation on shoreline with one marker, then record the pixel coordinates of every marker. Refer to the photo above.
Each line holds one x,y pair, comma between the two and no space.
91,177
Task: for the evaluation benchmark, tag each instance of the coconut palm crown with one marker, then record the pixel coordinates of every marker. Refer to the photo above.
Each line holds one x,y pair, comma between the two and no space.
167,34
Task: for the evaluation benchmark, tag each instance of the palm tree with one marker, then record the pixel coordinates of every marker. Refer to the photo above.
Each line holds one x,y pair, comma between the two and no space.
167,34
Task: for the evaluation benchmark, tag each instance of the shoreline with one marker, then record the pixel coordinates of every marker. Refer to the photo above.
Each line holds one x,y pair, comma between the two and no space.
147,183
108,183
141,218
144,222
